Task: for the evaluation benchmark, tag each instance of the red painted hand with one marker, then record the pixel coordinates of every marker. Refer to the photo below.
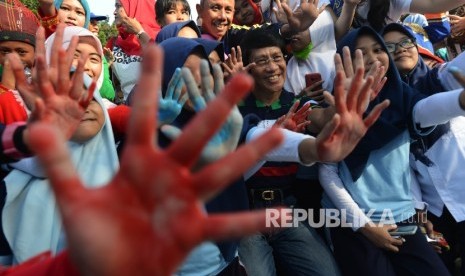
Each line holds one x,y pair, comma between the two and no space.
148,218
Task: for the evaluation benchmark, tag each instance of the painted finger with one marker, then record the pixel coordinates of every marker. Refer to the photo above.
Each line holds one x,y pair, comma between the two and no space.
375,113
172,84
63,83
359,63
207,89
354,92
234,226
192,90
218,79
340,96
142,124
216,176
77,85
56,46
171,132
202,127
348,64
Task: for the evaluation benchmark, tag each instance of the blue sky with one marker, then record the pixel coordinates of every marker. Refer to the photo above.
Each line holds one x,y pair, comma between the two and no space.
102,7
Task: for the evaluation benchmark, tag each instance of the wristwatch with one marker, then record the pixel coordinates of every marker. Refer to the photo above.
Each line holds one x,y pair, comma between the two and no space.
140,33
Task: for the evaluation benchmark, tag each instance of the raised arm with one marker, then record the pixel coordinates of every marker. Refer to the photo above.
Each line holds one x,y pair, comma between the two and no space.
434,6
138,221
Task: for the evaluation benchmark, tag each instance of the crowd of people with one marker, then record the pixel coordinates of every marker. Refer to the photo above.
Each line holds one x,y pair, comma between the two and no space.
164,151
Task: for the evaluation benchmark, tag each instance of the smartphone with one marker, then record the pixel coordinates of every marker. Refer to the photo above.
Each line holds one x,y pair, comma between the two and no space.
311,78
404,230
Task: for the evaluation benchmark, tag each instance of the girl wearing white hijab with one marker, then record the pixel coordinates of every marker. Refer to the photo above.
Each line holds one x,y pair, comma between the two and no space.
31,220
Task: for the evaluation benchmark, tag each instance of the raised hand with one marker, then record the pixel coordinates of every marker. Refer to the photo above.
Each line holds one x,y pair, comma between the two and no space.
148,218
170,106
349,67
295,121
57,62
61,104
340,136
225,141
314,92
303,17
234,63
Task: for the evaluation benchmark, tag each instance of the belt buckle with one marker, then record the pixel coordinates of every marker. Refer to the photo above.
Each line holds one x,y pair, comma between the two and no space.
268,195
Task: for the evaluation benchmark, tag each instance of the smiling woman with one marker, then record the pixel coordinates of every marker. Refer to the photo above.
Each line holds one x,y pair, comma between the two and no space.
70,12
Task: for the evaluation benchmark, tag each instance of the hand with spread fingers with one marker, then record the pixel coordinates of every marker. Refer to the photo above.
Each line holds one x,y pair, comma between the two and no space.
63,61
234,64
60,102
225,141
136,225
301,18
170,106
347,127
295,120
349,67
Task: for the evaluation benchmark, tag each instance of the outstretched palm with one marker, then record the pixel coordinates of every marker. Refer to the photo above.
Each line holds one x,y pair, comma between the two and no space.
148,218
340,136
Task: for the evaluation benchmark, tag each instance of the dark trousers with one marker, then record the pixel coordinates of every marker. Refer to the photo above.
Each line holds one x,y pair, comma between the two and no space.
357,255
454,233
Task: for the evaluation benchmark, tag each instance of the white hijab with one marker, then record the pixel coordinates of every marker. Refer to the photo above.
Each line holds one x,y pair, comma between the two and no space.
31,219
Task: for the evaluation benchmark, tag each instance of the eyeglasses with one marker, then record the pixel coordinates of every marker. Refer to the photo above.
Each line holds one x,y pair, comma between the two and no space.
265,61
405,43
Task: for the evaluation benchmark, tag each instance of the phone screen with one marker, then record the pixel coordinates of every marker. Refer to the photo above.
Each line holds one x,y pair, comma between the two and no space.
404,230
312,78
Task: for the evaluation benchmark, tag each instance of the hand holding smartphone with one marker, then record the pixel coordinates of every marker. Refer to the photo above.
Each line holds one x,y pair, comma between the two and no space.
404,230
312,78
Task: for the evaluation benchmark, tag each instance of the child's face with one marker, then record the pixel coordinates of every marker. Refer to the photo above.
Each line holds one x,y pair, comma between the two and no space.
72,13
177,13
244,12
404,52
91,123
372,52
300,40
93,65
24,50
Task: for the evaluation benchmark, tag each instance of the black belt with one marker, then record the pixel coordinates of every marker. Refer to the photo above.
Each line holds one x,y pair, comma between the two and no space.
269,197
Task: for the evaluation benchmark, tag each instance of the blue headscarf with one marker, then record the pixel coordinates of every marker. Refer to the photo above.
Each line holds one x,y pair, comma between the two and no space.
172,30
421,77
177,50
212,45
84,4
394,119
427,81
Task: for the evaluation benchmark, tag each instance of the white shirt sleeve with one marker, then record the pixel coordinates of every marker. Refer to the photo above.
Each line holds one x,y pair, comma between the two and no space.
288,151
334,188
446,78
438,109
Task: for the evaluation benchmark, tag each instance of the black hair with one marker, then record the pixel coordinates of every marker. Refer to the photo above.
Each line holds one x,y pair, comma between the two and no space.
163,6
260,38
378,14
